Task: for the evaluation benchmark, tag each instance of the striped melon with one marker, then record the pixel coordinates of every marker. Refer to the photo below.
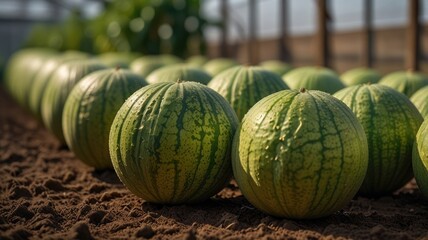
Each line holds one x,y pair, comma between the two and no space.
90,109
244,86
359,76
22,69
42,78
407,82
178,72
420,158
276,66
171,142
59,87
147,64
196,61
117,59
420,99
217,65
313,78
390,122
299,154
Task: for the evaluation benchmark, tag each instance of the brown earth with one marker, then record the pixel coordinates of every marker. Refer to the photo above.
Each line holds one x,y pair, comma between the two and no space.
46,193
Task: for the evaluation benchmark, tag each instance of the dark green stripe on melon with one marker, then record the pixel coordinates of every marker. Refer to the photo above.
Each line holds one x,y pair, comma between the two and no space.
390,122
90,109
59,87
299,154
171,142
243,86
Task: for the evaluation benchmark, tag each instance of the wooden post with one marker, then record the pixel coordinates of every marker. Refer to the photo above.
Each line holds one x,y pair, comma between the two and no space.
252,37
224,31
322,37
368,43
283,43
414,33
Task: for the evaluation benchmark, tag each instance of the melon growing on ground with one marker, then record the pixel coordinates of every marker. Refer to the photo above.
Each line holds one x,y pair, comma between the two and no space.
43,76
390,122
420,158
178,72
59,87
21,70
147,64
313,78
196,61
217,65
243,86
117,59
170,143
90,109
407,82
359,76
420,100
299,154
276,66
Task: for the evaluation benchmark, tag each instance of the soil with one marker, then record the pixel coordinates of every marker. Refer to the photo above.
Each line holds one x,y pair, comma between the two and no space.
47,193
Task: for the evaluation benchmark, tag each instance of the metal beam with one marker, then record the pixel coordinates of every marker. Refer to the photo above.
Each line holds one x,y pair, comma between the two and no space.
368,38
283,42
414,33
224,11
323,48
253,48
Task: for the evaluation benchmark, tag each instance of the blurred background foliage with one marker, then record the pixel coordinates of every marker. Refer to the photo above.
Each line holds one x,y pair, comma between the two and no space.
143,26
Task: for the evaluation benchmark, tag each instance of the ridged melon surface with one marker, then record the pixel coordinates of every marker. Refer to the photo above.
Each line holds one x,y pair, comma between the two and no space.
407,82
359,76
420,158
420,100
171,142
59,87
313,78
243,86
299,154
90,109
178,72
390,122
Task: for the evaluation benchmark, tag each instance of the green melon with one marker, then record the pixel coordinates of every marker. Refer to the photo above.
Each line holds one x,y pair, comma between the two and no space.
147,64
117,59
196,61
420,158
59,87
90,109
170,142
276,66
217,65
313,78
38,85
299,154
176,72
22,68
405,82
243,86
420,100
390,122
359,76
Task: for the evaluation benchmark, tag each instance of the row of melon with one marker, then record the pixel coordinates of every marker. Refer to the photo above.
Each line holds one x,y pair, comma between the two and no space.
300,154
